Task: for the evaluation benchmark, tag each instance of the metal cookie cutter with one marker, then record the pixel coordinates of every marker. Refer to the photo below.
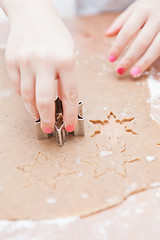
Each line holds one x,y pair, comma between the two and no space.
59,132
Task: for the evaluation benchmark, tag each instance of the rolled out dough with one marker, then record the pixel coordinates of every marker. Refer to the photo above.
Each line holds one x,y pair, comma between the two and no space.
119,156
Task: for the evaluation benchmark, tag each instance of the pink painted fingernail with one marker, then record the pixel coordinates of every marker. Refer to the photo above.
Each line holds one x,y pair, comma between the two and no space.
135,72
106,31
112,58
47,130
70,129
120,70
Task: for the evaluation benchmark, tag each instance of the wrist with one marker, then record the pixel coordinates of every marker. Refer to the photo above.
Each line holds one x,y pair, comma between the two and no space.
15,8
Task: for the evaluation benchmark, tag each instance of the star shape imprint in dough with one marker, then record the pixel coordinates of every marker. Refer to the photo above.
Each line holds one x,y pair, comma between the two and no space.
45,170
105,160
112,127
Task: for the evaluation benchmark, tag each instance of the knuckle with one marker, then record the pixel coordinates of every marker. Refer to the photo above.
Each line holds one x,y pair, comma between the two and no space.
14,83
23,59
125,34
26,94
129,61
26,57
146,62
17,89
143,44
38,55
117,49
146,9
43,102
71,97
20,57
68,60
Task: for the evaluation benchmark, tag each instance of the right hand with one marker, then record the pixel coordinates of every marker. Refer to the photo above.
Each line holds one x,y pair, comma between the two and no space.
39,50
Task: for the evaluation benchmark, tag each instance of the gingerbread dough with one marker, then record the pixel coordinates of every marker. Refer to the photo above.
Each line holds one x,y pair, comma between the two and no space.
119,156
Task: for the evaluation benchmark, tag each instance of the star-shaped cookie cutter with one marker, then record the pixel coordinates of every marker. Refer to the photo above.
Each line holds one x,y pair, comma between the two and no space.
59,132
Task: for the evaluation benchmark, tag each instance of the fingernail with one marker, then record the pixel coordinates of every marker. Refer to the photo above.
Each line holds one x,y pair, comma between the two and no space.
69,128
135,72
106,31
120,70
47,130
112,58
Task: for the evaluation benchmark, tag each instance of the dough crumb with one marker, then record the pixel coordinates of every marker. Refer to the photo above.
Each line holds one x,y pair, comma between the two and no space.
157,194
139,211
1,186
84,195
80,174
5,93
51,200
150,158
155,184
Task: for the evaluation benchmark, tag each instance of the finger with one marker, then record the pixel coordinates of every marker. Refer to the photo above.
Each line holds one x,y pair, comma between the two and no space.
148,58
139,46
58,87
127,32
59,91
45,98
69,94
28,92
118,22
13,73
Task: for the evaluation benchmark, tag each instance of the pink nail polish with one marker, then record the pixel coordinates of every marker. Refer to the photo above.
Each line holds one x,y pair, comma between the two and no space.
112,58
47,130
135,72
106,31
120,70
70,129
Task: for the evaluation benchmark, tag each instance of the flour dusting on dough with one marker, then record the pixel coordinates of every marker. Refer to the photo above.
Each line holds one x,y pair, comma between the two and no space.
139,211
104,153
154,87
155,184
132,187
5,93
124,213
1,186
51,200
157,194
80,174
78,160
84,195
150,158
6,225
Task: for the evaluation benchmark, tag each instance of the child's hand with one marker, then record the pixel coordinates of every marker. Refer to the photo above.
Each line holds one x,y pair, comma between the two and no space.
40,50
140,23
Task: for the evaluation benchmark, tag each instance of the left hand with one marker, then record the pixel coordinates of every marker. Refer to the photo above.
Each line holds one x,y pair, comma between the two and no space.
138,29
